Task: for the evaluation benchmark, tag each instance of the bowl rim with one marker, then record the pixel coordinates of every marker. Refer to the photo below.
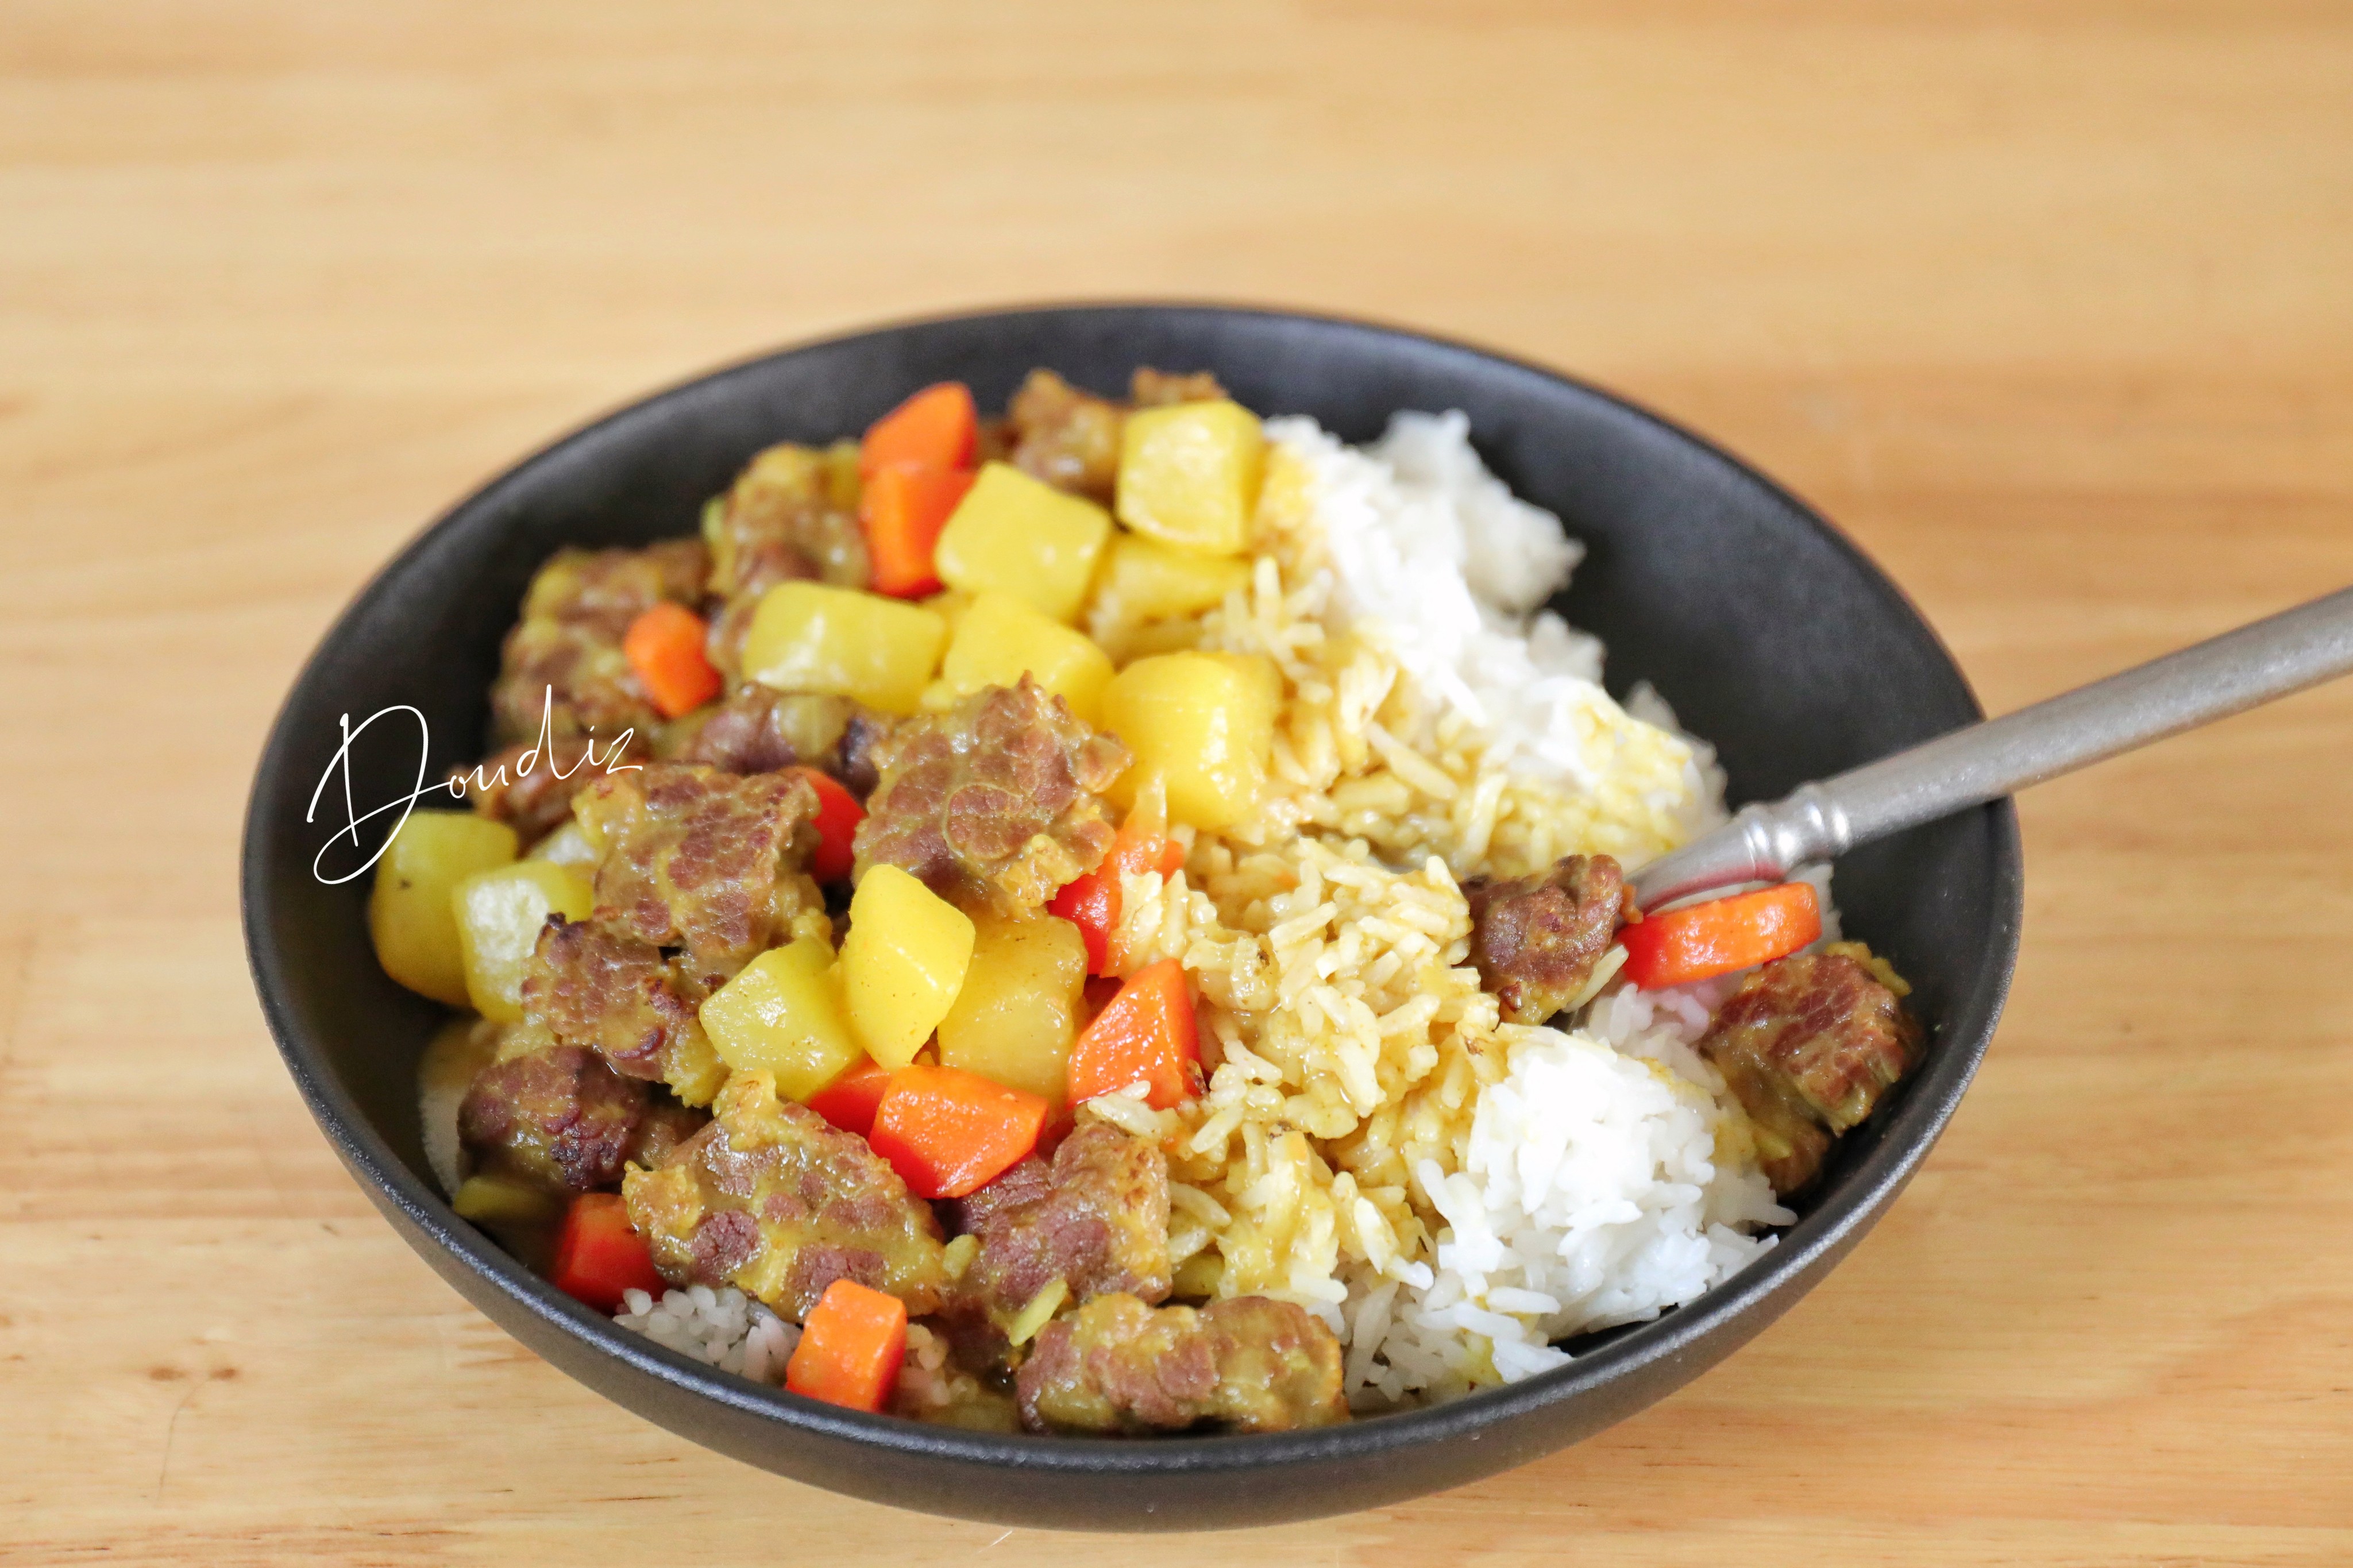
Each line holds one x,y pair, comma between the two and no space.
1821,1234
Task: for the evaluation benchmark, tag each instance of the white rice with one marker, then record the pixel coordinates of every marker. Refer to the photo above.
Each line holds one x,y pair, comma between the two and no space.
1438,559
724,1329
1609,1174
728,1330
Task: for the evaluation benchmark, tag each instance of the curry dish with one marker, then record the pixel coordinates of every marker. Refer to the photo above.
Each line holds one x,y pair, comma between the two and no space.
913,945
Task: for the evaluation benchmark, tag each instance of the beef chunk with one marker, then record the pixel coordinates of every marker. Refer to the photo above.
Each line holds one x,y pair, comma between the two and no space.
791,515
758,730
1246,1363
1096,1218
530,787
1149,388
1535,939
599,986
565,1122
703,861
996,801
564,656
1065,437
1809,1044
772,1199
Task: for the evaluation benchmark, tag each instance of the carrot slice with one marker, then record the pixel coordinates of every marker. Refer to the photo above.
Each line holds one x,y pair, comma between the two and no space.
851,1347
1092,902
903,509
598,1255
664,646
850,1100
948,1133
838,817
936,428
1144,1035
1721,935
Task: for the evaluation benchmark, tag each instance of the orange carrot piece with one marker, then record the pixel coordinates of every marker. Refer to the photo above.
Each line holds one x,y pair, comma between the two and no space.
902,510
598,1255
1144,1035
838,817
936,428
664,646
850,1100
948,1133
1092,902
1721,935
851,1347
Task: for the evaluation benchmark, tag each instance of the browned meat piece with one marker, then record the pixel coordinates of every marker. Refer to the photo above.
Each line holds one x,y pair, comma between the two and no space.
1150,388
758,730
772,1199
597,985
1809,1044
1096,1218
1118,1365
564,656
1065,437
996,801
791,515
702,859
530,787
1535,939
564,1120
854,757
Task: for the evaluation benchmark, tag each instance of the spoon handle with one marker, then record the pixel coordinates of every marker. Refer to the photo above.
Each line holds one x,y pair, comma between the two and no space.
1818,821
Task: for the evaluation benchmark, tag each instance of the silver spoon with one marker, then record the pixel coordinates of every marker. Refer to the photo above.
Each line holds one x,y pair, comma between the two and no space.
1819,822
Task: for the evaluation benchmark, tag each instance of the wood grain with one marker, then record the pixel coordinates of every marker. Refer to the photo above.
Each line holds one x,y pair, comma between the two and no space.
2047,303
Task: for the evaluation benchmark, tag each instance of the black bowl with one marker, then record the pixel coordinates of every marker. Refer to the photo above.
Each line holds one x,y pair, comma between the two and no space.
1769,632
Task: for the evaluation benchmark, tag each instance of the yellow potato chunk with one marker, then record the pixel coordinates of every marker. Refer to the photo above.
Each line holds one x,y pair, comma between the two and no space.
807,637
1205,723
499,914
1001,637
901,964
1022,536
409,914
1015,1018
1188,475
783,1015
1144,580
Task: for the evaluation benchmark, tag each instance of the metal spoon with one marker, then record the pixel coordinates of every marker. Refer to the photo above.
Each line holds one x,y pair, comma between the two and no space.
1818,821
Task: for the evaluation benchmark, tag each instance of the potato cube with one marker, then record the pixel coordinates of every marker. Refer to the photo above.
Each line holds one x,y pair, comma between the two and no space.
901,964
409,914
499,915
807,637
783,1015
1023,537
1144,580
1000,639
1188,475
1205,723
1015,1018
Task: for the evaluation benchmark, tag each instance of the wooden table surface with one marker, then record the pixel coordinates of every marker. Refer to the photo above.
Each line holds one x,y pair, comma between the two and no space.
2049,304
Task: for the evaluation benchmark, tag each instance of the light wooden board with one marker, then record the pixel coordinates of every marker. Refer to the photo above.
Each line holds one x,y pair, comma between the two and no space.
2047,303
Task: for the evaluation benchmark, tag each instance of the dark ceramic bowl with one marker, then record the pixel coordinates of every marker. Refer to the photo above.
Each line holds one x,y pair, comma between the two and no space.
1767,631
